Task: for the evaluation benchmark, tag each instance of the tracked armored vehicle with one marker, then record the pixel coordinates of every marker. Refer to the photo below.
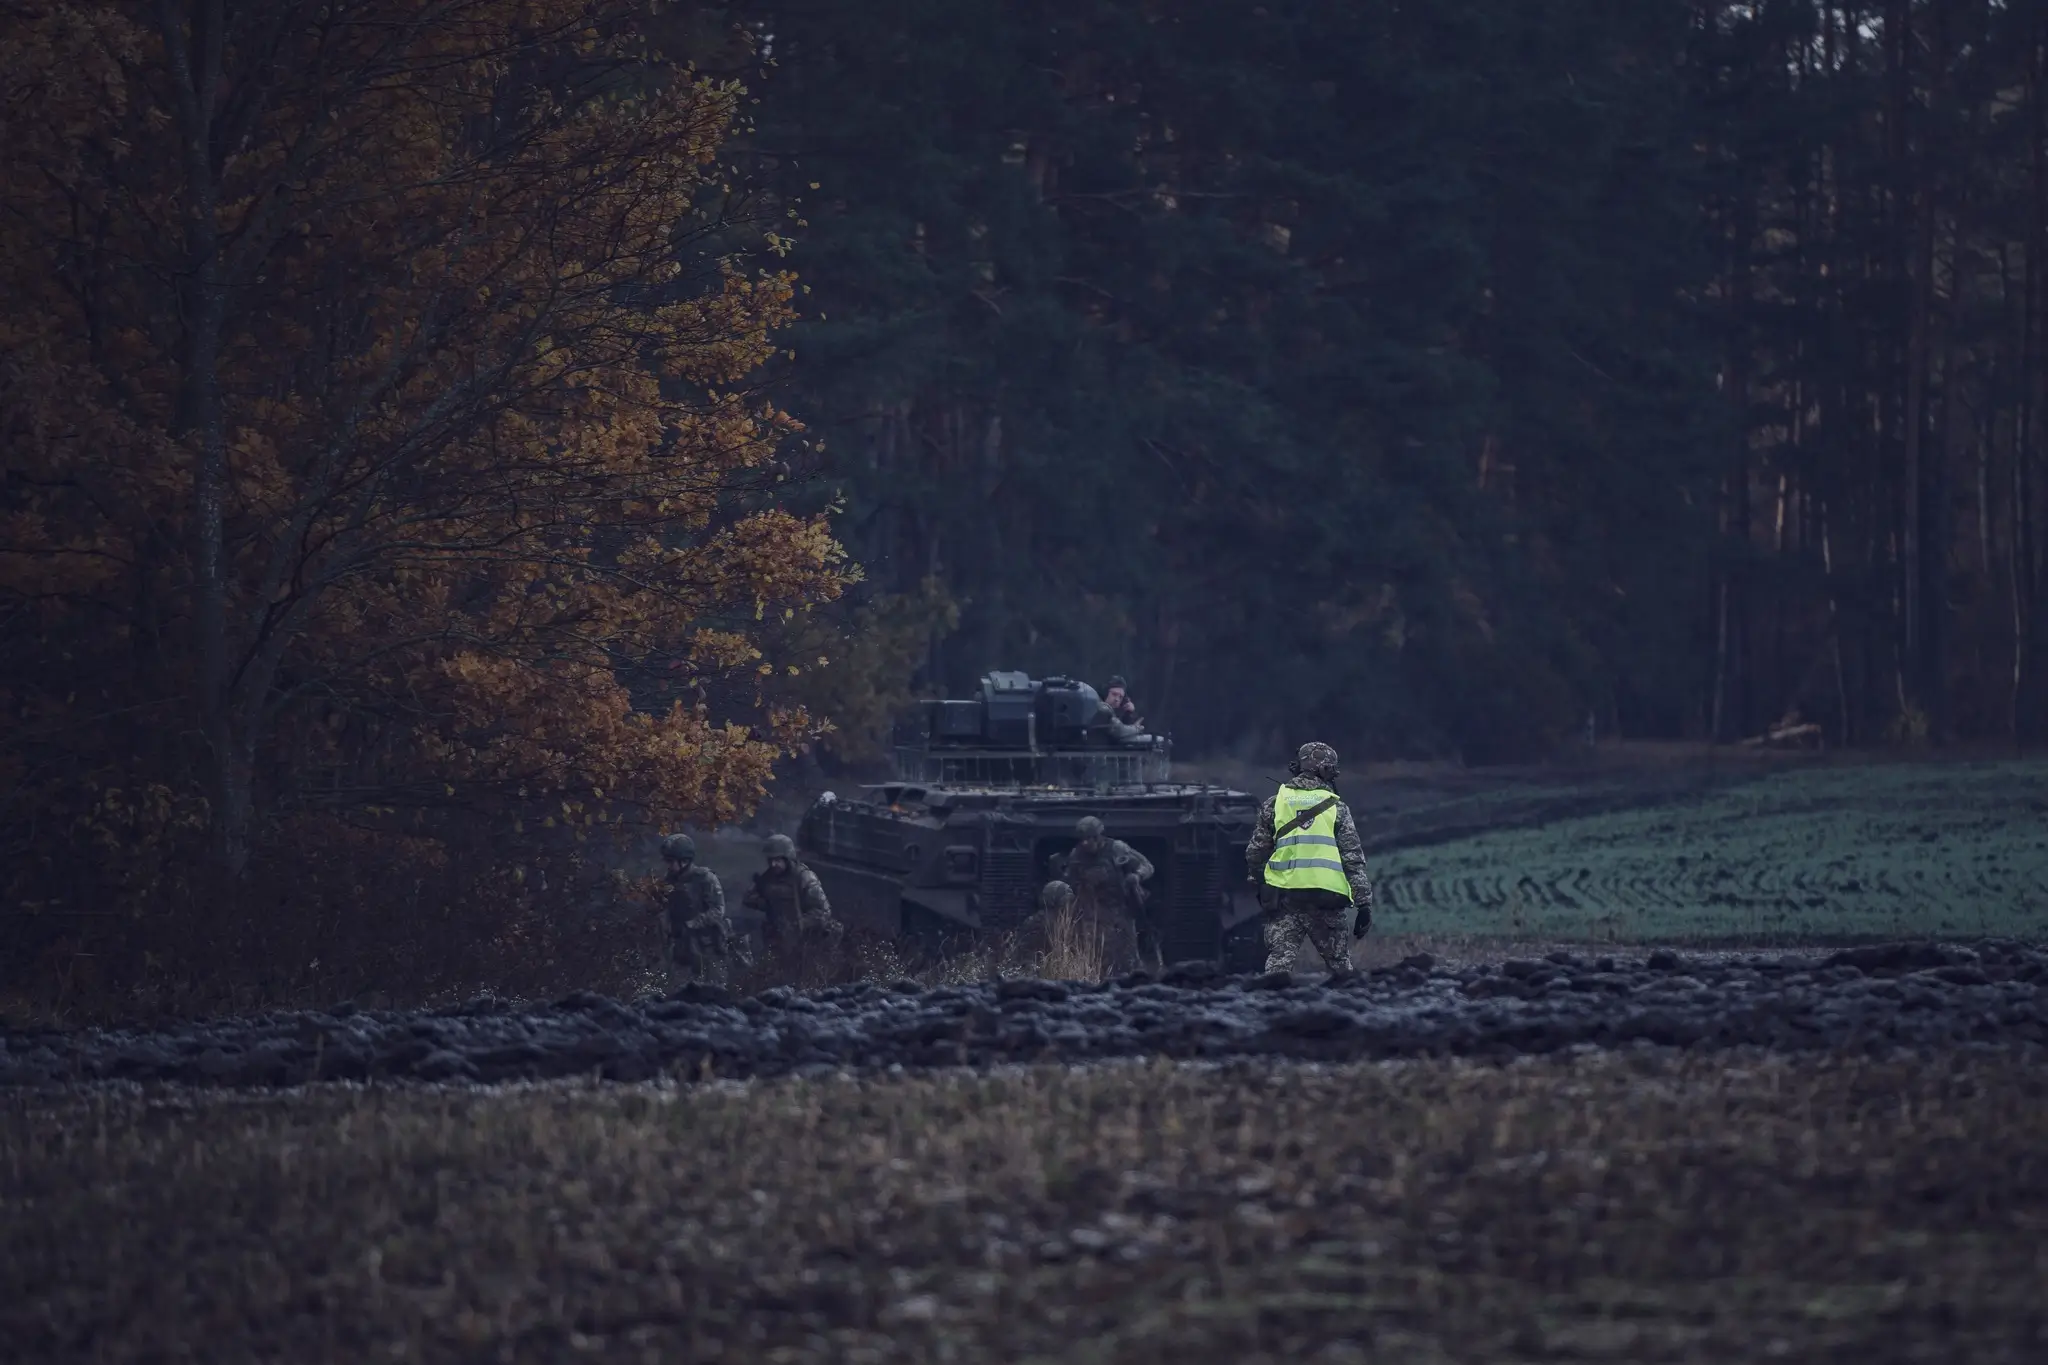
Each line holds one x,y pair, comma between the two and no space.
986,793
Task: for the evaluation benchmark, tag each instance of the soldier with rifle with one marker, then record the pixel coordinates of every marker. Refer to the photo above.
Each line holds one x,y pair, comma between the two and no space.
1308,865
700,937
797,921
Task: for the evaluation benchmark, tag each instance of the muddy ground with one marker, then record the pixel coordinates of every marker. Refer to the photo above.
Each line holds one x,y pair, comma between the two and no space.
1909,995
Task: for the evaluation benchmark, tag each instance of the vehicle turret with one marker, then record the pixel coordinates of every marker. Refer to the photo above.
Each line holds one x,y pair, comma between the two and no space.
1020,731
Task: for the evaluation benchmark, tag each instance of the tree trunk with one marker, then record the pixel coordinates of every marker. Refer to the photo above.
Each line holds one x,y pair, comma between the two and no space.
1827,563
1912,252
2022,580
1160,707
1938,331
1731,655
1716,715
193,36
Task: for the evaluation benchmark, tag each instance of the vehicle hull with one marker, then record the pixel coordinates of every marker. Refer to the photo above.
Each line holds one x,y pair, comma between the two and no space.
949,865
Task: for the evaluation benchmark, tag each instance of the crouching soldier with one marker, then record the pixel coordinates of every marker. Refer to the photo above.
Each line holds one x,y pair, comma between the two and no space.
1108,878
797,923
1046,928
700,938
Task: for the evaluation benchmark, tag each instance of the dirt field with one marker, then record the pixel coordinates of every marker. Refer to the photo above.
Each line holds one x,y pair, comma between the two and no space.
1608,1208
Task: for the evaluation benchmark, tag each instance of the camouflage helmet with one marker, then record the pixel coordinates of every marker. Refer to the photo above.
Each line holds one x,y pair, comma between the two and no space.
1316,760
1055,895
678,848
1088,827
778,846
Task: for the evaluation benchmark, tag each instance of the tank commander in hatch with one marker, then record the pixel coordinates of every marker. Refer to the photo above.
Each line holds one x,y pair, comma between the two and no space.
1116,699
1308,866
1108,877
797,923
700,937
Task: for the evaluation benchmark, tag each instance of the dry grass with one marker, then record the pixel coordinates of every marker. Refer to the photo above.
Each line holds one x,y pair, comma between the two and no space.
1613,1208
1074,950
1060,947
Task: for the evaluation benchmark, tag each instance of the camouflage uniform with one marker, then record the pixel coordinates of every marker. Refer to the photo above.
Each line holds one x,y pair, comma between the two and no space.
796,916
700,937
1322,918
1105,878
1034,937
1124,711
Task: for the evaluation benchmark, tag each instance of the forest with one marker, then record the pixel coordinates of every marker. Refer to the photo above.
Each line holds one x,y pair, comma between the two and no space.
441,442
1436,377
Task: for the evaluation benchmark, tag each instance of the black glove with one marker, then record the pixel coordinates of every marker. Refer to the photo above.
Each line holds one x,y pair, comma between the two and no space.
1361,922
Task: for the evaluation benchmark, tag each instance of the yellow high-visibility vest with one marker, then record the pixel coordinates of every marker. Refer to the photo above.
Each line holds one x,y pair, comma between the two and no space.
1306,859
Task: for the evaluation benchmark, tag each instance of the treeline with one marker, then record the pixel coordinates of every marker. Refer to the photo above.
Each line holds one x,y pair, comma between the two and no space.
1434,378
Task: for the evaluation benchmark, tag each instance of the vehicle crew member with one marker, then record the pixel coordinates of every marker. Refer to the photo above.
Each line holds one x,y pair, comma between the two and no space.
1117,698
797,919
700,937
1308,865
1108,878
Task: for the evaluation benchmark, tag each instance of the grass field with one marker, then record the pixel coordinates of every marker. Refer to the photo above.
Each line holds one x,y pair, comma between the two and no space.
1813,854
1605,1209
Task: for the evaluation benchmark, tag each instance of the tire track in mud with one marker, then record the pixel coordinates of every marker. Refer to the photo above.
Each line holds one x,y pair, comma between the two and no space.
1909,995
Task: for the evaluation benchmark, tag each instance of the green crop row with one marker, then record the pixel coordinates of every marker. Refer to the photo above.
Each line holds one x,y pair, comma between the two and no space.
1940,849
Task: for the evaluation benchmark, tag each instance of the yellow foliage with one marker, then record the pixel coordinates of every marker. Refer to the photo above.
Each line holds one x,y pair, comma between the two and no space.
439,316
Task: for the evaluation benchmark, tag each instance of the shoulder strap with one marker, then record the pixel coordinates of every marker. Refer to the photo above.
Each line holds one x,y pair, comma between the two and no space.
1304,816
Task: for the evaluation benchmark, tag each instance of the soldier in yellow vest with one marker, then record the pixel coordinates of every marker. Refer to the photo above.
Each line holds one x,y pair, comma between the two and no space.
1308,865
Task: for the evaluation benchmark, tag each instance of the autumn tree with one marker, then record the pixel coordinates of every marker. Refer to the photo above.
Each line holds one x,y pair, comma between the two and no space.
376,405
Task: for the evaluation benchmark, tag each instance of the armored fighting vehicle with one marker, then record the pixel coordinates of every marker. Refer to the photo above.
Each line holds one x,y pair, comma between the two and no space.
985,797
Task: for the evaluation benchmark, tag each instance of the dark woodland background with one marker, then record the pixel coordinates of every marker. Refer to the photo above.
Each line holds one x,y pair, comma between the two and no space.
1439,380
1432,376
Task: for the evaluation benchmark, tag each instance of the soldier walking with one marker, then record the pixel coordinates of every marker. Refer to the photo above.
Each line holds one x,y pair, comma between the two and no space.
797,923
700,937
1308,864
1108,878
